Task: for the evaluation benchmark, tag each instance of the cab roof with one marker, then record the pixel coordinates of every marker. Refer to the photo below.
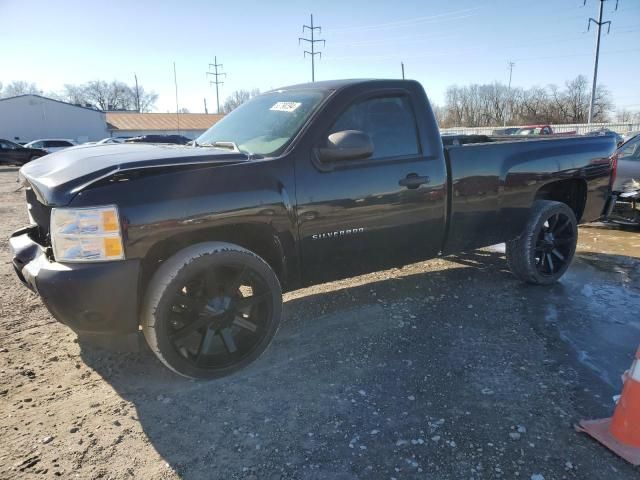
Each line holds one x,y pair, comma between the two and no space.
329,85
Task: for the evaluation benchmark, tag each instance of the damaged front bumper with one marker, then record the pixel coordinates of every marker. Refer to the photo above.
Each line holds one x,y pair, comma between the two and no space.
90,298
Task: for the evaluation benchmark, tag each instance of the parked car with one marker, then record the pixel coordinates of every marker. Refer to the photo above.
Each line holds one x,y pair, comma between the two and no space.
12,153
628,171
110,140
107,141
624,204
51,145
176,139
605,131
629,135
505,131
305,184
541,130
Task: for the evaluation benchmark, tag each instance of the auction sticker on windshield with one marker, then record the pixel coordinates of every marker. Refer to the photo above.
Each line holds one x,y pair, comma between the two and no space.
285,106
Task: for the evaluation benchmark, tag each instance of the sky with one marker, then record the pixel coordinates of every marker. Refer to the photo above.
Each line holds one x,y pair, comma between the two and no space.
441,43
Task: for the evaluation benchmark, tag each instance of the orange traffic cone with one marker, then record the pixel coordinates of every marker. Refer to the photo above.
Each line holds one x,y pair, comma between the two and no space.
621,433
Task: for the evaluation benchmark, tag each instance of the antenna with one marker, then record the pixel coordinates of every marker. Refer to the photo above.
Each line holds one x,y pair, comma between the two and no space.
137,93
313,42
511,65
175,80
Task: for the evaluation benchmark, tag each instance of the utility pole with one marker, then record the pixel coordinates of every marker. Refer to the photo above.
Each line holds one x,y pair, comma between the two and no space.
205,105
511,65
175,80
137,93
599,23
216,75
313,42
402,65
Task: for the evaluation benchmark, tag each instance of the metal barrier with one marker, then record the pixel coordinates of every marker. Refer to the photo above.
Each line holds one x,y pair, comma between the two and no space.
579,128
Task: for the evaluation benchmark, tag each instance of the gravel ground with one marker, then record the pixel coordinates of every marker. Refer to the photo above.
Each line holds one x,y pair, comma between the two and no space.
447,369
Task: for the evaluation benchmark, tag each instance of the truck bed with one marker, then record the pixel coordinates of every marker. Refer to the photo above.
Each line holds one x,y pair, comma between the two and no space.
494,180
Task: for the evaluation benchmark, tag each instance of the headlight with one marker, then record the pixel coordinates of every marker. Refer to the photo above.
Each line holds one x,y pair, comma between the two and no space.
86,234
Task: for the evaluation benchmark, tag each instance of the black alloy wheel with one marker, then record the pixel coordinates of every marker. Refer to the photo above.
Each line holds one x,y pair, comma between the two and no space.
544,250
216,318
555,244
207,315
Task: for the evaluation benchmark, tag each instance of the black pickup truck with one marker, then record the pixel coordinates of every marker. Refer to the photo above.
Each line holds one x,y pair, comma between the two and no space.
194,244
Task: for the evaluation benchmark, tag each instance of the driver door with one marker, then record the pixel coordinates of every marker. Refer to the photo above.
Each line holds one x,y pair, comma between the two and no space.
364,215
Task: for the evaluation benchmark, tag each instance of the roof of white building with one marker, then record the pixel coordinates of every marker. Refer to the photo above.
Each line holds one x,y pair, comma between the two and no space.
134,121
51,100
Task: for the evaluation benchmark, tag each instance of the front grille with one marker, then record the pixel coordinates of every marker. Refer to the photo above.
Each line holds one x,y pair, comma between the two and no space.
41,215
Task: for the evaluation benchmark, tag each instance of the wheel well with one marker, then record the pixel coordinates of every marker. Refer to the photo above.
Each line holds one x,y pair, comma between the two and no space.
260,239
573,192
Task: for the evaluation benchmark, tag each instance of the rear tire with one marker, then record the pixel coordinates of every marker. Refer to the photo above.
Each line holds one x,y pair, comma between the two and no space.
211,309
544,250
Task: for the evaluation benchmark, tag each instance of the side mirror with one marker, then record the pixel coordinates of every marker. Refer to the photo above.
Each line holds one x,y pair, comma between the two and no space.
346,145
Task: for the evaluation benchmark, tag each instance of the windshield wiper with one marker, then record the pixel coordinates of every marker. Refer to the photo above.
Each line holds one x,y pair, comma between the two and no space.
233,146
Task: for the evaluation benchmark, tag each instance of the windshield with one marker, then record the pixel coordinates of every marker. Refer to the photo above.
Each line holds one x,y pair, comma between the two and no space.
266,123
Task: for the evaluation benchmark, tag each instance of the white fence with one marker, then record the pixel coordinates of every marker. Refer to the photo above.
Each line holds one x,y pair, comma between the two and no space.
579,128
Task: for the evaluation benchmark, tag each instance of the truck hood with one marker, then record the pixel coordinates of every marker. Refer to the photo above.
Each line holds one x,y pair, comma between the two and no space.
58,177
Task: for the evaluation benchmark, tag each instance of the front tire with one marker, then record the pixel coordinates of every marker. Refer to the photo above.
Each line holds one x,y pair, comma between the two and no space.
211,309
543,252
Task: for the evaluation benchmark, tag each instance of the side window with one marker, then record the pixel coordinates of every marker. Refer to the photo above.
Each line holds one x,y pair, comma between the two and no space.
37,145
389,122
546,131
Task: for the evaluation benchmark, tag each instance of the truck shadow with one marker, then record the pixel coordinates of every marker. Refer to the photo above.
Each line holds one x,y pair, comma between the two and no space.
346,361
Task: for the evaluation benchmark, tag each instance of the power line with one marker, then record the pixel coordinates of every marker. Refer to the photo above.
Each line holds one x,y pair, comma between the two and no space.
599,23
216,75
407,22
312,41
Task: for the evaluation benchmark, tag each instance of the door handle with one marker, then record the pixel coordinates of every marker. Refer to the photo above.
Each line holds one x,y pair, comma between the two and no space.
413,180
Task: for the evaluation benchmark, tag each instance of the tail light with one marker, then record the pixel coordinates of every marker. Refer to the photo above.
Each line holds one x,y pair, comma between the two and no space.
614,169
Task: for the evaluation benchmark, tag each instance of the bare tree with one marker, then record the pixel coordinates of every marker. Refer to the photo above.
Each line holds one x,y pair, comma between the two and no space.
237,98
75,94
439,113
623,115
603,104
487,105
20,87
147,99
113,95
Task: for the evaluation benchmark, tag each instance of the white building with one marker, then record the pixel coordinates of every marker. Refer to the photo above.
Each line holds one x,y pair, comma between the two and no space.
28,117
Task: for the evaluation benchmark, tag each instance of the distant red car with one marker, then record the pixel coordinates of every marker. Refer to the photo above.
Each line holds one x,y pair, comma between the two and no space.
541,130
